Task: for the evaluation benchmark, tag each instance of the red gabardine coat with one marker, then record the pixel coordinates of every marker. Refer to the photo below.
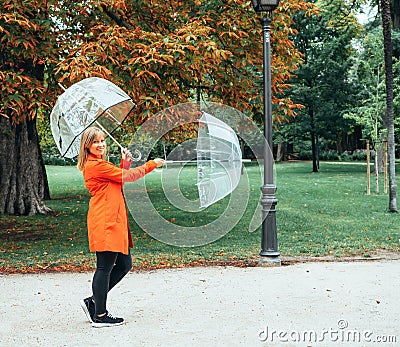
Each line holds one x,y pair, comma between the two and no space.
107,219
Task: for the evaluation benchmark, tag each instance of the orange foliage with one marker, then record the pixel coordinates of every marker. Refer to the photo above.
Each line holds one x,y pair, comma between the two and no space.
25,51
158,52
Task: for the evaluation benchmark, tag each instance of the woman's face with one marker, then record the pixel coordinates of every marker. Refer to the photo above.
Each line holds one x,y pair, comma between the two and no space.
98,147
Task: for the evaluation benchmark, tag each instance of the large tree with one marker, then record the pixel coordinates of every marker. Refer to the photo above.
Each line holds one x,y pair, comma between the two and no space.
25,49
159,53
368,76
322,83
164,53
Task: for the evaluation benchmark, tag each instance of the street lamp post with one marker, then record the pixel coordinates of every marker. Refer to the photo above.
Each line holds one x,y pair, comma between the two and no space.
269,255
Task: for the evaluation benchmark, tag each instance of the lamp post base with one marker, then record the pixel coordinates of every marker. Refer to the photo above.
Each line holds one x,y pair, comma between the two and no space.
269,261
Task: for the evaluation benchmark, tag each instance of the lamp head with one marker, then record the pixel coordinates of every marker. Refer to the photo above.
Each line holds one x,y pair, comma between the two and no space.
264,5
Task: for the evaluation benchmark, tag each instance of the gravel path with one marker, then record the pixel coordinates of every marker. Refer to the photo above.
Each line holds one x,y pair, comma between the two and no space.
307,304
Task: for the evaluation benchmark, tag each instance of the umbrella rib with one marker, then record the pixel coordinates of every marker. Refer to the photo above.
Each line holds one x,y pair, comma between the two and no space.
109,135
115,119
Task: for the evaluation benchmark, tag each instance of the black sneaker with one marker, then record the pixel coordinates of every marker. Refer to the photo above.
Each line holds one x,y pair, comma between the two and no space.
88,307
106,321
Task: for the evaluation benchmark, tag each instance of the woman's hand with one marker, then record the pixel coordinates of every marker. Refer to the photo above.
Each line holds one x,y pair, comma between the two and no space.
159,162
126,154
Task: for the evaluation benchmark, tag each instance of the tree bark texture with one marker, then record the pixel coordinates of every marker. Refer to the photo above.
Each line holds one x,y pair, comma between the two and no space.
396,14
387,41
281,151
396,24
23,179
313,140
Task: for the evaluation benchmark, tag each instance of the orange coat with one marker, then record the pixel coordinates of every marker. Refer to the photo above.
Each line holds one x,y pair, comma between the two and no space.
107,219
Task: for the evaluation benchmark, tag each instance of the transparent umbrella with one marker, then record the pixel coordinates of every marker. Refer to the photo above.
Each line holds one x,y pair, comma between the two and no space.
219,160
92,101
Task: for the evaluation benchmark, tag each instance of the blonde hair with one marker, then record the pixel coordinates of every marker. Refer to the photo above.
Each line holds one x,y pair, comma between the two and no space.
87,139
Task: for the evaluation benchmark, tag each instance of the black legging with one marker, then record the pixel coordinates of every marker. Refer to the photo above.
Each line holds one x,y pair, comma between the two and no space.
111,267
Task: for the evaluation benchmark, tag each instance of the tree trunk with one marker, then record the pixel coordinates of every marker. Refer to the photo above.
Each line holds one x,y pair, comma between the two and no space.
339,147
396,24
379,155
23,179
387,41
281,151
376,172
313,141
396,14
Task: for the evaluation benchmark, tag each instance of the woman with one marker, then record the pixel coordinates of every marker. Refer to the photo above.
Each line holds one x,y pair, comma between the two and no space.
107,219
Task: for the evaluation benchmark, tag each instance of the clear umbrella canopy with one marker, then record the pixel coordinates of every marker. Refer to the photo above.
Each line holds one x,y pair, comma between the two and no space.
92,101
219,160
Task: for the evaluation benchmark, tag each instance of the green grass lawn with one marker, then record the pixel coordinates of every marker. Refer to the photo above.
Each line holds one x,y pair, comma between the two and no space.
318,214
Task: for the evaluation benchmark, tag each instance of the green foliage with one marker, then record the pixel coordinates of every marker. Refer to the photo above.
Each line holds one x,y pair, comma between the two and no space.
28,50
322,83
368,75
342,80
